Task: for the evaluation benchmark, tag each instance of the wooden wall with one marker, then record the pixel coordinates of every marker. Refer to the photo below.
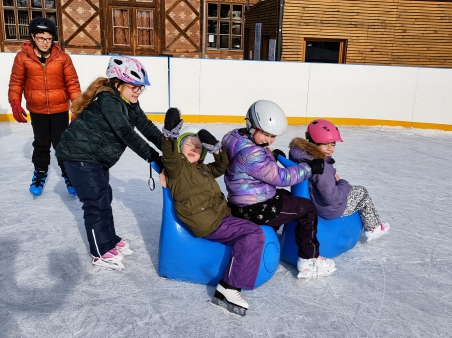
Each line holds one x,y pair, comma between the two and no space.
397,32
265,12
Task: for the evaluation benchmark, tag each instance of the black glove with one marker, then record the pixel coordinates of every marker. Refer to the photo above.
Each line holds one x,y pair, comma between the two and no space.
155,157
173,123
317,165
277,152
209,141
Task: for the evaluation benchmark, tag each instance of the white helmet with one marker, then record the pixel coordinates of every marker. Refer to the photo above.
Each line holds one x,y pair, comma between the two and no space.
266,116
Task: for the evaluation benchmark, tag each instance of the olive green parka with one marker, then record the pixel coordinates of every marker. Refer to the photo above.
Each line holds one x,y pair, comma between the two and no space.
198,200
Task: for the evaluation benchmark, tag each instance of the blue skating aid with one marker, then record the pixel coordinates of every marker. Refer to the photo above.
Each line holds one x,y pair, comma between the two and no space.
184,257
335,236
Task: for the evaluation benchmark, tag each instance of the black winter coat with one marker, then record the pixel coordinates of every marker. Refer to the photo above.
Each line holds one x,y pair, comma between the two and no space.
103,130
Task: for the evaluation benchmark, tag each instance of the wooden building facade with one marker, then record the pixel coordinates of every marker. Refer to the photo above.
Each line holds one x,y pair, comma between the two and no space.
189,28
387,32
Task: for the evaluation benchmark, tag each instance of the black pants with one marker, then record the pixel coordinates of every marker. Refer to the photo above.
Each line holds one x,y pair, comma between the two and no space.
91,182
47,130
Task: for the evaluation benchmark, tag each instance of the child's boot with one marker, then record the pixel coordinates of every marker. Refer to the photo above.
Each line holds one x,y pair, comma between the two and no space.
315,267
37,182
70,188
231,298
379,231
124,247
110,260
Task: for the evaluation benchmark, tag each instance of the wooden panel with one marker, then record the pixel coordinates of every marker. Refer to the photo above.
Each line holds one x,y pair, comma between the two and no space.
401,32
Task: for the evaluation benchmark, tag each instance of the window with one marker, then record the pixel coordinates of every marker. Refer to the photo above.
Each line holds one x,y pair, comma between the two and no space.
225,26
326,51
18,14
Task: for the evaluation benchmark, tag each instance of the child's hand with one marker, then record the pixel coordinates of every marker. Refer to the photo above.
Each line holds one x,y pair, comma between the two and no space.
163,179
209,141
173,123
277,152
337,177
317,165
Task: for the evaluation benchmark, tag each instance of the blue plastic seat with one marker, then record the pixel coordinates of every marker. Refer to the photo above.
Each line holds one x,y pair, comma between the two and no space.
184,257
335,236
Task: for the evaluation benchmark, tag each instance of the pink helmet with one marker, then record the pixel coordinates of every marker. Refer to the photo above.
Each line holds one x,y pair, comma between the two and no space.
322,131
127,69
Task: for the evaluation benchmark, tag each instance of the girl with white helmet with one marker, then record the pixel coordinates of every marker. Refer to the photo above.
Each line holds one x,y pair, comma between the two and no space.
253,176
334,197
106,116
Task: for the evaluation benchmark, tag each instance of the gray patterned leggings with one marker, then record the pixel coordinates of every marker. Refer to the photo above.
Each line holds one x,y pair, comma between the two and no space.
358,199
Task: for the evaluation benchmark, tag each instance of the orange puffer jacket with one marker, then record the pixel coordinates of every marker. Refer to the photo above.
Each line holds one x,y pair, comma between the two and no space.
47,88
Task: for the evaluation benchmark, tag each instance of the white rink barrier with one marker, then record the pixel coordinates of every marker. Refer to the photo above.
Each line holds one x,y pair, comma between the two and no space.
209,90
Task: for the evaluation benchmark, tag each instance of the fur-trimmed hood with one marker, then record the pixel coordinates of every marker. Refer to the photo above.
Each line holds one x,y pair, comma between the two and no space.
305,149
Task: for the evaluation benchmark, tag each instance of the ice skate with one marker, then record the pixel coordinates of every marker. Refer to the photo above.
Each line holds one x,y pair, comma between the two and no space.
315,267
110,260
230,298
124,247
37,182
70,188
379,231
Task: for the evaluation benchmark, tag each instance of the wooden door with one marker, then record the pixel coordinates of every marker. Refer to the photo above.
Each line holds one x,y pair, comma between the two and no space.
133,27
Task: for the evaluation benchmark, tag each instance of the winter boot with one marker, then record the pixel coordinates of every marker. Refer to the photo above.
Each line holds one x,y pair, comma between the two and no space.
315,267
70,188
124,247
110,260
38,181
379,231
231,298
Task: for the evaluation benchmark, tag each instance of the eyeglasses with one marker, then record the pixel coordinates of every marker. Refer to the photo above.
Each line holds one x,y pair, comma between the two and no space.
136,89
41,39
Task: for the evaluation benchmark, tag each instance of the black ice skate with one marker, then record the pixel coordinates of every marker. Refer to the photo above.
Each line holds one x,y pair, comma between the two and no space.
230,298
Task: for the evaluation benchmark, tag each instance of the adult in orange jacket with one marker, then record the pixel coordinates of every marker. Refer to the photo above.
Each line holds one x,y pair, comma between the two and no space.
47,78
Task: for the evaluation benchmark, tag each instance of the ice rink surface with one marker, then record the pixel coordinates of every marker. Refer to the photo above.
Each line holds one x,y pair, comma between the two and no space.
398,286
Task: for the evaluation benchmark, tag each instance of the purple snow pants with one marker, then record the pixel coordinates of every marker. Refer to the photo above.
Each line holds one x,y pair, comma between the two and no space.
247,240
304,212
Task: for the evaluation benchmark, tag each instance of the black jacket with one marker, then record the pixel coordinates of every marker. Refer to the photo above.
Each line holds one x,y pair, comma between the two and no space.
104,129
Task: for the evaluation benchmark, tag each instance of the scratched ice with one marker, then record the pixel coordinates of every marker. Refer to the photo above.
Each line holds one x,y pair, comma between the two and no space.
398,286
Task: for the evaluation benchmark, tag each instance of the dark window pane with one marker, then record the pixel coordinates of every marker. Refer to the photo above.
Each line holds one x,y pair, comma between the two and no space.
237,11
36,3
212,10
212,26
236,28
36,14
10,24
22,3
224,41
320,51
236,42
224,27
224,11
23,24
8,3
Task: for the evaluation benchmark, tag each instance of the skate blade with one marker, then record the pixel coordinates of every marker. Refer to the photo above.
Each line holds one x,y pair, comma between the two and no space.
118,266
227,307
315,274
370,240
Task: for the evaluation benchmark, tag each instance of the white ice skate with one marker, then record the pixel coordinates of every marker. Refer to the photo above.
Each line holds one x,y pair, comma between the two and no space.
124,247
379,231
230,298
110,260
315,267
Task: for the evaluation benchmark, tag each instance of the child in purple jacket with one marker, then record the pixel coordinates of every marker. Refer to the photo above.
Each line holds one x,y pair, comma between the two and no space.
253,176
333,196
